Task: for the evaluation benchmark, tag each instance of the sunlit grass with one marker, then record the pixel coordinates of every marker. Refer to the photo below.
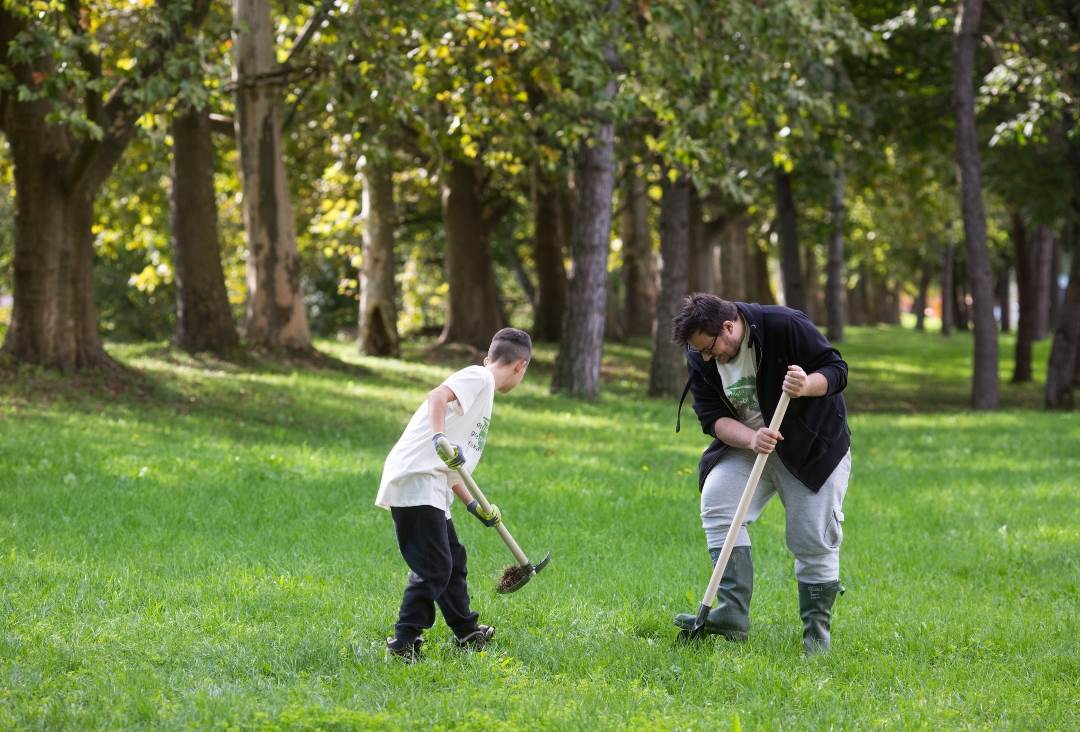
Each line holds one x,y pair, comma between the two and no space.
197,547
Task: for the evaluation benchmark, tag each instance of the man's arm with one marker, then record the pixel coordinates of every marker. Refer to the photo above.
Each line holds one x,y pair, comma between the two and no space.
735,433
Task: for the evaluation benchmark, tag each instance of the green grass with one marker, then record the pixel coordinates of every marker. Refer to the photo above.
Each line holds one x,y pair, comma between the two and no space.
196,546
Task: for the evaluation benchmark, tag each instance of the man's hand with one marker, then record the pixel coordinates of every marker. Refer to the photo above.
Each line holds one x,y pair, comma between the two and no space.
795,381
487,518
764,440
455,459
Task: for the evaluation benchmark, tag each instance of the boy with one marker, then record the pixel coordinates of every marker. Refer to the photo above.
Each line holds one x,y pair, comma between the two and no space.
418,489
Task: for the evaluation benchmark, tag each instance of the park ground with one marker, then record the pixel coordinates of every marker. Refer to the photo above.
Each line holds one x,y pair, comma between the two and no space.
192,544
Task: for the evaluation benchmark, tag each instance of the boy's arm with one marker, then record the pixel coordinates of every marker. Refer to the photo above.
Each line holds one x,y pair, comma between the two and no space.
487,518
438,399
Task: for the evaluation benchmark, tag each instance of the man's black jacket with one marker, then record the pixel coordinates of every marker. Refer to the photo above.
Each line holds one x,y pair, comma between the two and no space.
815,429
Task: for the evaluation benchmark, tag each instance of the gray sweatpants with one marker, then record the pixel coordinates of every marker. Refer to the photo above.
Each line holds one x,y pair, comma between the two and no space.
814,520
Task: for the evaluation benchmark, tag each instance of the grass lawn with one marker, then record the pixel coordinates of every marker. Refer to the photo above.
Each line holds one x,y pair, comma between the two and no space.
196,546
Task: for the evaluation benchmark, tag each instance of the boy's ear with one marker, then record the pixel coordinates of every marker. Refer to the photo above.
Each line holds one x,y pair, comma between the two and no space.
487,360
521,365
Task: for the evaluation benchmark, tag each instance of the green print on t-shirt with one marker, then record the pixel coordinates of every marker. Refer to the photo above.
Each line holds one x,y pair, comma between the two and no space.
743,394
478,437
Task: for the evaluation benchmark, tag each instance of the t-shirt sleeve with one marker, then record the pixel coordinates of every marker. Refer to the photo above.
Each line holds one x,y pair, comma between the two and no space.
467,385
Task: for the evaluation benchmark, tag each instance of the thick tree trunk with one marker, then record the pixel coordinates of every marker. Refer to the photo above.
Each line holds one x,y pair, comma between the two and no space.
834,271
1064,363
735,258
1044,276
276,317
702,254
948,284
474,314
923,297
1027,297
760,285
639,260
790,253
54,318
204,320
984,382
1054,289
668,371
577,366
377,333
549,254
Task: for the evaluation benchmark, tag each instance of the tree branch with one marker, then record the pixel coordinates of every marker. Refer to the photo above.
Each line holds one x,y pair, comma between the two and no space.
309,31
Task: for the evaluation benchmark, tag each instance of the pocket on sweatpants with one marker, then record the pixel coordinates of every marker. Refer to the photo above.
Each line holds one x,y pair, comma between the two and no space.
834,529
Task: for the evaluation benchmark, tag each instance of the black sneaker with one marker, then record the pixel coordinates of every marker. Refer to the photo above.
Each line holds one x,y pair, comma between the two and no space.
476,640
407,652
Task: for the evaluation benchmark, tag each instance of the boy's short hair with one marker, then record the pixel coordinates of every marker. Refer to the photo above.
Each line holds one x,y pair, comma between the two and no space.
701,312
510,345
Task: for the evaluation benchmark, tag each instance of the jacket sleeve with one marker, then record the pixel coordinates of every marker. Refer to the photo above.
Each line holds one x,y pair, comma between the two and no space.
708,402
815,354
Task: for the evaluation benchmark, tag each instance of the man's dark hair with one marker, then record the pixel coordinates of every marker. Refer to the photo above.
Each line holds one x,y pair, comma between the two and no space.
701,312
510,345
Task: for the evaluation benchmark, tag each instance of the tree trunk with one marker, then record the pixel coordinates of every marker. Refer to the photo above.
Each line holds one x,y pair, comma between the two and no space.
639,261
668,372
54,318
760,289
204,320
1061,370
834,274
701,251
1027,297
1044,275
276,317
377,333
735,258
923,297
474,314
948,285
549,254
790,254
1054,289
984,382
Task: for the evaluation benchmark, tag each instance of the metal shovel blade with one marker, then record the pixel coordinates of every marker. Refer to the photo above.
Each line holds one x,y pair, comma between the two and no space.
685,636
529,571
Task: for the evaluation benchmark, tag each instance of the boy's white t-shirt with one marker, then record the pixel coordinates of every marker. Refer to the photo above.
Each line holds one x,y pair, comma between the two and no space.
413,474
740,383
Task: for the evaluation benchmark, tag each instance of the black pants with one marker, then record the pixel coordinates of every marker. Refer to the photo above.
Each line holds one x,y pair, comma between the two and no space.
430,547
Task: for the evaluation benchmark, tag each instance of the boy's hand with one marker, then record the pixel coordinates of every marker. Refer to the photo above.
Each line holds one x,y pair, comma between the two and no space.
454,460
487,519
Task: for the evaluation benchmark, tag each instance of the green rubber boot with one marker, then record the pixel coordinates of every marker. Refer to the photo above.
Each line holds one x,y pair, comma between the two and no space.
731,616
815,609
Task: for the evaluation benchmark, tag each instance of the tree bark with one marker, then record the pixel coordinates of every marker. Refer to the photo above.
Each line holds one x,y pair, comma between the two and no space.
1027,297
204,320
984,382
735,258
1003,286
377,333
1054,290
790,253
702,253
760,285
948,285
668,371
276,317
474,314
834,273
577,365
549,253
1064,363
639,261
923,297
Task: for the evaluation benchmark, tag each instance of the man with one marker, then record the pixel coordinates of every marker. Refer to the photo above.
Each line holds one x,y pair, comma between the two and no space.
740,356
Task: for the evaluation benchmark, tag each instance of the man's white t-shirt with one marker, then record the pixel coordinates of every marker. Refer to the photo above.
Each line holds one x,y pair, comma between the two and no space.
413,474
740,383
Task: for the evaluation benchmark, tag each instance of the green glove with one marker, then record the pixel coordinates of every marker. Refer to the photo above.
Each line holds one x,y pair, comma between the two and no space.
456,460
491,518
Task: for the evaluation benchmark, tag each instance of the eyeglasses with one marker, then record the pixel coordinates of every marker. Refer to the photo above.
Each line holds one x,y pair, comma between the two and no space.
704,351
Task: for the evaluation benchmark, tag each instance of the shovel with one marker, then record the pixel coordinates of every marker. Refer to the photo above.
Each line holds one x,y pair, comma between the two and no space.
515,576
733,531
